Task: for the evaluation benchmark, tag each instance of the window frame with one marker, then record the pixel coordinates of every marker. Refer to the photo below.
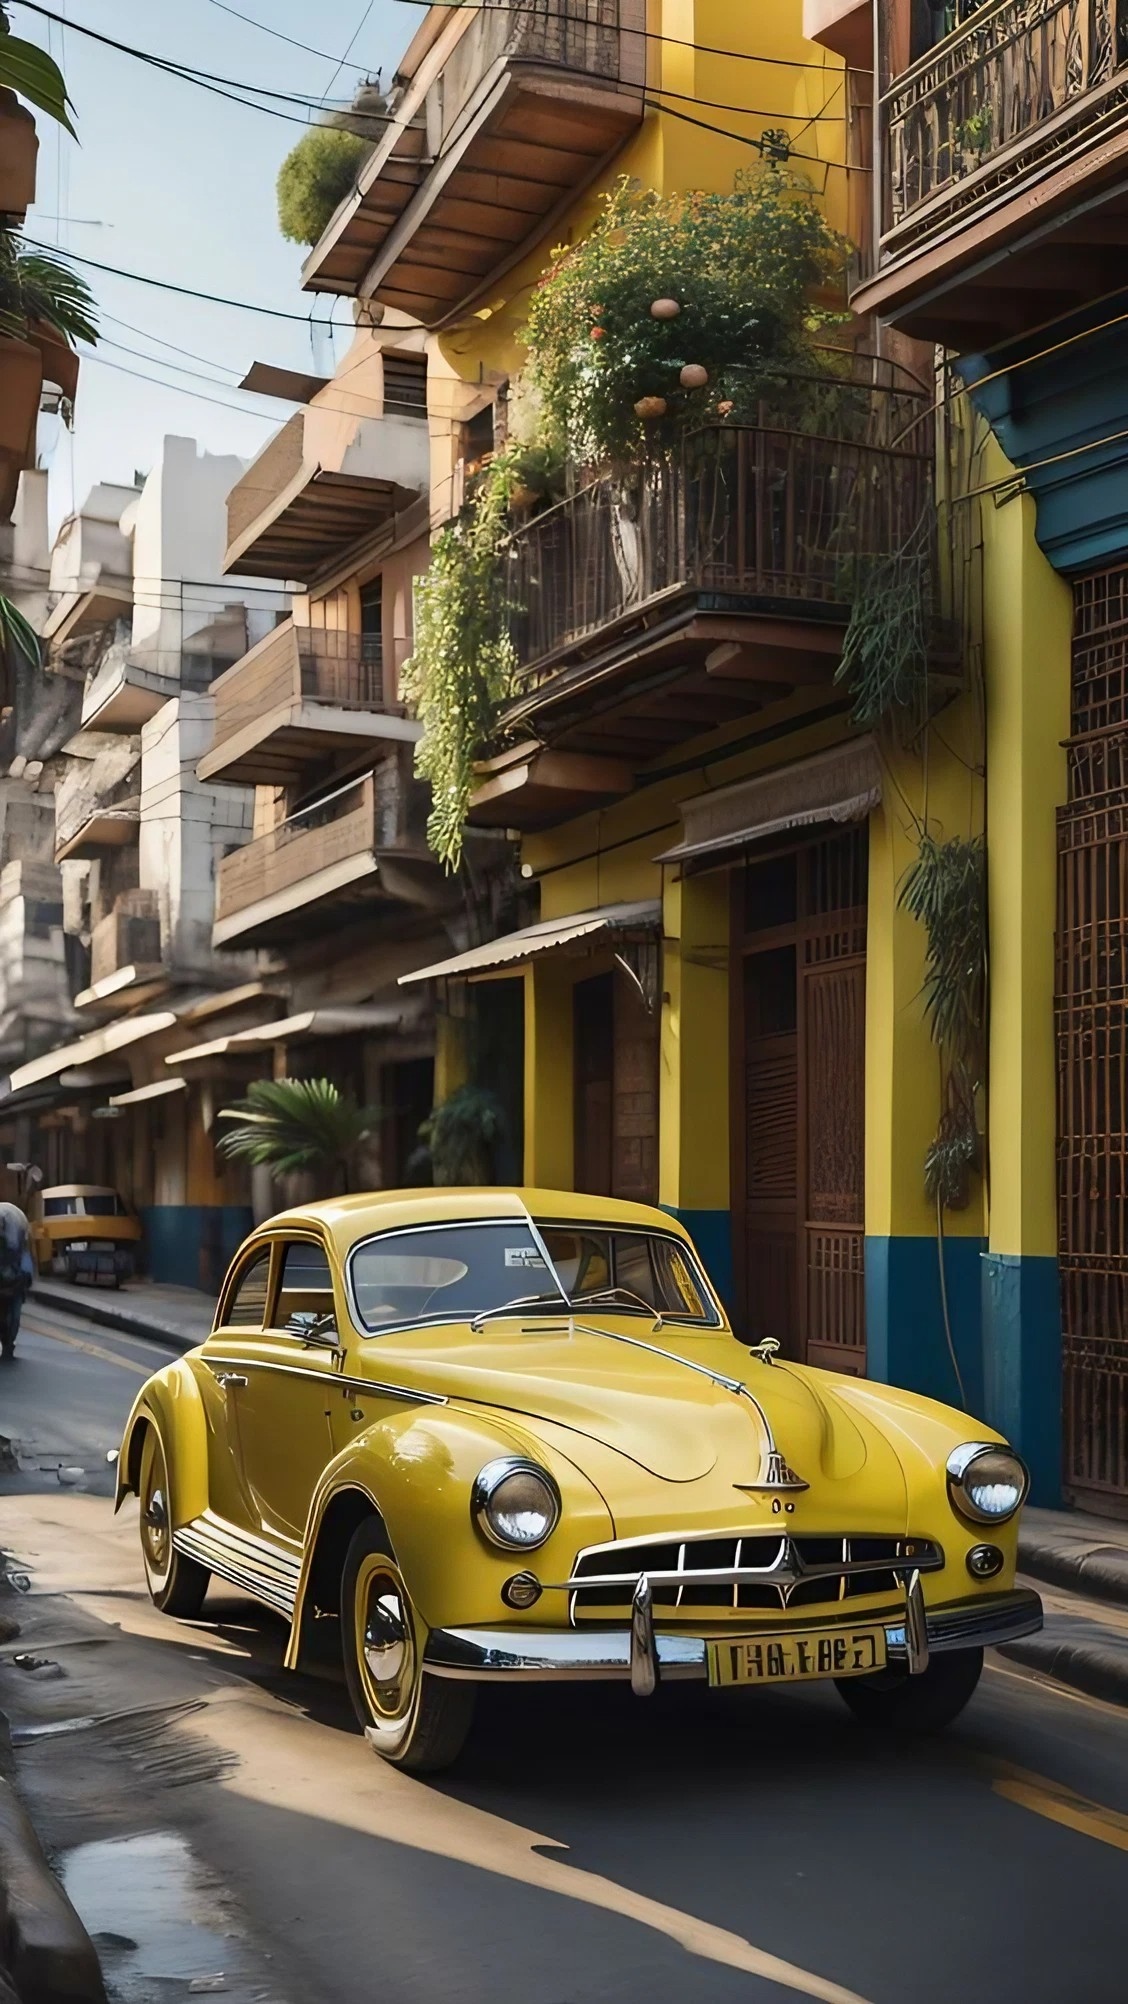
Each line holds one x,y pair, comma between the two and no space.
279,1244
275,1245
234,1281
714,1321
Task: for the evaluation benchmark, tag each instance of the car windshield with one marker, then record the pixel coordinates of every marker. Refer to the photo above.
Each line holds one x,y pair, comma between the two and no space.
453,1273
94,1204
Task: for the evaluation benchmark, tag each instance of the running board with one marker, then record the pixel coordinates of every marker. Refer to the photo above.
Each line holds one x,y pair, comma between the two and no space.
242,1559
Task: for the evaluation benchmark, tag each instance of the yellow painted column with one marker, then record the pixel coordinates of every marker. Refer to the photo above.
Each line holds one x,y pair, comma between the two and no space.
549,1118
1028,630
693,1127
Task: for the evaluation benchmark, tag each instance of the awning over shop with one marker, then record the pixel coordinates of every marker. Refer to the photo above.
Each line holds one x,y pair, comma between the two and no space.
550,936
160,1089
99,1044
293,1029
834,786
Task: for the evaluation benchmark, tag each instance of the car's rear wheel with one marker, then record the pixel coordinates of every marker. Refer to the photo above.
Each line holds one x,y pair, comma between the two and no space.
413,1720
177,1584
923,1704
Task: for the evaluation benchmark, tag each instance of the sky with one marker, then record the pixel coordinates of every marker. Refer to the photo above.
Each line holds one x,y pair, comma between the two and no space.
172,181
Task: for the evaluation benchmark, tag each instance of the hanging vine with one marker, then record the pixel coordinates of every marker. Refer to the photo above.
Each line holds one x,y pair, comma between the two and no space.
946,890
885,650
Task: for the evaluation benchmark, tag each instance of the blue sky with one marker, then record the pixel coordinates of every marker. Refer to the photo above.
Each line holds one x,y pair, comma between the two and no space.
182,183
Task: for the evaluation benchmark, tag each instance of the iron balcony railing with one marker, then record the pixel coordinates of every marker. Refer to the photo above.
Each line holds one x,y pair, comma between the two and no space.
592,37
300,664
1017,86
763,518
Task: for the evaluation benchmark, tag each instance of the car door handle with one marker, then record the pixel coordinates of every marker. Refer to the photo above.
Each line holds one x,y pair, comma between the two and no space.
229,1378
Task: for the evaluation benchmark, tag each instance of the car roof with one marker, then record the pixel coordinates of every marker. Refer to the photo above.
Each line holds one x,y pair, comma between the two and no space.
351,1218
79,1190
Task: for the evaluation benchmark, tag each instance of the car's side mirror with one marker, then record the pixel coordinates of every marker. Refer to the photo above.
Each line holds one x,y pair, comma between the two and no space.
320,1331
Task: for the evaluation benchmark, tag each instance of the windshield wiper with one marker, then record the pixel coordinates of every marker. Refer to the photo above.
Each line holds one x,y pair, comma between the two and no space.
605,1294
519,1301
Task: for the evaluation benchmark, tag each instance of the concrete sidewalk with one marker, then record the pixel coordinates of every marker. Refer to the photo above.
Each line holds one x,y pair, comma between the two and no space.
178,1317
1081,1565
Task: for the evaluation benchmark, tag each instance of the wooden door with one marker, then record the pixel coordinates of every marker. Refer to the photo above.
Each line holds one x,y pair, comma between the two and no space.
616,1089
799,1098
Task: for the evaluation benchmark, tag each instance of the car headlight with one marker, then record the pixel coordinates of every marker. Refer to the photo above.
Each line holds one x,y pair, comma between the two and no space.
987,1483
515,1504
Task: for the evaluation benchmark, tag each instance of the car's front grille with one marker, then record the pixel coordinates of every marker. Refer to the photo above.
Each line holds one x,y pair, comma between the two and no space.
734,1573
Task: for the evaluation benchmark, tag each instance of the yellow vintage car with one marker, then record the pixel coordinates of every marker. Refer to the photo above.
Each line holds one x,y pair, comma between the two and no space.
459,1437
84,1231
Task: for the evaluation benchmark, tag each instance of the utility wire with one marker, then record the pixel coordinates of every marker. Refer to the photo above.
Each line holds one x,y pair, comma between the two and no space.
641,34
162,383
278,36
348,52
186,291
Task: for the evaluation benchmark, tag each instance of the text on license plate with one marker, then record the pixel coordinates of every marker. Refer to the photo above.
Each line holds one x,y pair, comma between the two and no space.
788,1659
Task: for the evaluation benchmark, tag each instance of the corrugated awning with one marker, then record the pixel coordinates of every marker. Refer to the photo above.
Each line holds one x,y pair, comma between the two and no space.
159,1089
550,936
311,1023
99,1044
838,786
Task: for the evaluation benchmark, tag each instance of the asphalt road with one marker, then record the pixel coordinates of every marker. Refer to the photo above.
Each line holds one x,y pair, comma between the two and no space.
222,1826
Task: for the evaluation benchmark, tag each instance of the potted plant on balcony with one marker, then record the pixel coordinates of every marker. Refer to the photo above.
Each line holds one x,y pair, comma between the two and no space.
44,309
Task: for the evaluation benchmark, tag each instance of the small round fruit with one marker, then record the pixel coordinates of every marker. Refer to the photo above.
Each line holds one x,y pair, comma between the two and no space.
694,376
665,309
599,333
650,407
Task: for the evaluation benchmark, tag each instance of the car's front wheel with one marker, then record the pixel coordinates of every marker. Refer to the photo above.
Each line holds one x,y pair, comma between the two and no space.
414,1720
922,1704
177,1585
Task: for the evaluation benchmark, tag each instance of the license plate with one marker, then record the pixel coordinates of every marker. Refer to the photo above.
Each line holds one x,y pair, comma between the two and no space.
794,1659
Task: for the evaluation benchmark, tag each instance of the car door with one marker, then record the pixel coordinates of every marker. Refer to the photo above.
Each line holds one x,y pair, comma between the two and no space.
223,1377
286,1406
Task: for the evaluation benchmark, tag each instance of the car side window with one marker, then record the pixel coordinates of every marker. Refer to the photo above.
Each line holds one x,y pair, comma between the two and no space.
246,1306
306,1286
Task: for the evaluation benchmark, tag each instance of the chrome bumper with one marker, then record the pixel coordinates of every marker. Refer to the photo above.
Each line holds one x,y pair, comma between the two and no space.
547,1655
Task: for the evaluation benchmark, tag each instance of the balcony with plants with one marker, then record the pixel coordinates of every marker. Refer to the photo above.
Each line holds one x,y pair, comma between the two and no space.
708,506
351,850
1001,151
300,696
507,112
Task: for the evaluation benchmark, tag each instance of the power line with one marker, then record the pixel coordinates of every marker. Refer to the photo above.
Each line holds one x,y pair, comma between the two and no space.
278,36
162,383
145,334
186,291
349,50
641,34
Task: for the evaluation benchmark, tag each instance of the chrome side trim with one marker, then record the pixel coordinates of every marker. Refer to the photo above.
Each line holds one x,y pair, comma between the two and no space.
243,1559
375,1386
549,1655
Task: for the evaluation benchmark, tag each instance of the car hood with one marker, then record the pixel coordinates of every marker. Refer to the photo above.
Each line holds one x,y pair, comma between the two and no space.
649,1405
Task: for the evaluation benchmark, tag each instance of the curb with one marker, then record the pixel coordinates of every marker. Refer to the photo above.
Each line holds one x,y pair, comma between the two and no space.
128,1321
1090,1664
44,1948
1077,1563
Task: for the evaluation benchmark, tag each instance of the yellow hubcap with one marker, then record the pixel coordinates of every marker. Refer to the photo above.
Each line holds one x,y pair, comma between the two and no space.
385,1638
155,1532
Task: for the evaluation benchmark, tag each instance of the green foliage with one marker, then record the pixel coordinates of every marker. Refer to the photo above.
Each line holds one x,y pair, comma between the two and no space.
38,290
742,268
293,1124
946,890
462,665
885,648
462,1134
33,74
314,178
16,635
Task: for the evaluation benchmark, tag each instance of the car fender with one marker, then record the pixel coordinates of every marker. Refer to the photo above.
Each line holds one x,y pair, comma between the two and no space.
171,1402
417,1470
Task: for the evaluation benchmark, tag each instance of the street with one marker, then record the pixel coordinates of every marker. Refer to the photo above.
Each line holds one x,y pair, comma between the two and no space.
221,1824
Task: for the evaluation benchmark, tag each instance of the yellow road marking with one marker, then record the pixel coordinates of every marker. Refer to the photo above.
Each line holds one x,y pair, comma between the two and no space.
1059,1804
90,1349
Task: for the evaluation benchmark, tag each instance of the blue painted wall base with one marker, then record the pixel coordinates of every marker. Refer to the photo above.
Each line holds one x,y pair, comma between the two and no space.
1022,1353
906,1341
711,1232
191,1245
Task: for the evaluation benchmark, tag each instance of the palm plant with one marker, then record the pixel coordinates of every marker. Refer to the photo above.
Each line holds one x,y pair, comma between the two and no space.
37,291
462,1136
16,635
288,1125
32,73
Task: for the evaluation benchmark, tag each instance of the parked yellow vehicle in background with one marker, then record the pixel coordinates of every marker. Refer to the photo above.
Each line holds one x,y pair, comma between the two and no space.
479,1436
84,1231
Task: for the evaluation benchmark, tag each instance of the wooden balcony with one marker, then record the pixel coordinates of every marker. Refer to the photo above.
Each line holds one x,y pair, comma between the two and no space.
720,583
508,113
1002,157
364,845
324,481
296,696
